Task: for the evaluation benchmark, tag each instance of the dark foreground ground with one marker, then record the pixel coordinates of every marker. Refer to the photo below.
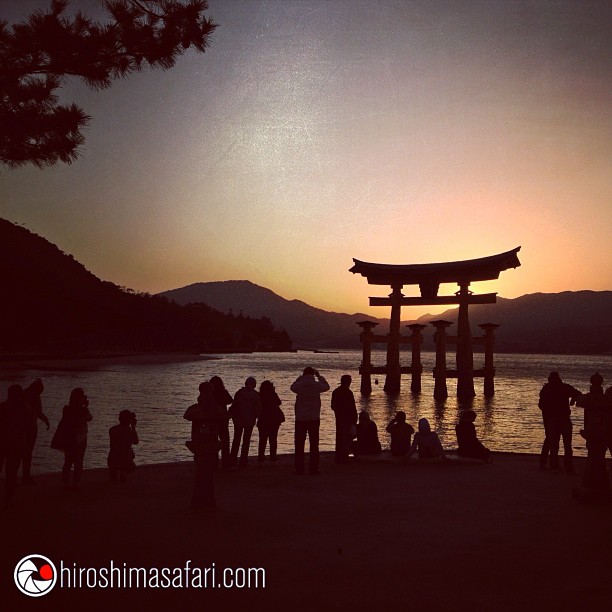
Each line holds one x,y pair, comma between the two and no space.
374,535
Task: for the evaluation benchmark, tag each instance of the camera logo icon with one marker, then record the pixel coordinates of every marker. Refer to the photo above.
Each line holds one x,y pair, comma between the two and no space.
35,575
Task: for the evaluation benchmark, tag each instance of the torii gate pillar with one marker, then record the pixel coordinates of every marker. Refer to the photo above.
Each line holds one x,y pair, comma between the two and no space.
489,367
416,368
392,380
366,361
465,354
440,390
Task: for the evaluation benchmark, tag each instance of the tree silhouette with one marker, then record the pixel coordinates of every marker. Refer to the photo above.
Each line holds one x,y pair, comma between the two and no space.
37,55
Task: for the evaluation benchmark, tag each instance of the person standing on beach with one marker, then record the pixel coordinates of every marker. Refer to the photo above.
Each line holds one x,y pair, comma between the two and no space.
75,416
245,409
608,395
343,405
269,420
556,397
13,431
597,432
223,399
308,388
34,412
205,416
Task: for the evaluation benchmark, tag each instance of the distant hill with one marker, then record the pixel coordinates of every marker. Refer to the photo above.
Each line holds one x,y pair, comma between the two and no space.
308,327
568,322
52,305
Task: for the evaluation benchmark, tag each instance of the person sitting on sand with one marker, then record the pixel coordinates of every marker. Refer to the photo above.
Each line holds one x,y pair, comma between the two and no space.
120,459
401,435
469,445
367,436
426,443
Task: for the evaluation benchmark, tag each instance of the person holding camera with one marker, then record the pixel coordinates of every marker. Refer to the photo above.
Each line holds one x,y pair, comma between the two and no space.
121,455
401,435
75,416
308,389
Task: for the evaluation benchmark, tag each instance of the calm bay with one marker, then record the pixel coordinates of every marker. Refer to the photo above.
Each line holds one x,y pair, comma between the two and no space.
159,394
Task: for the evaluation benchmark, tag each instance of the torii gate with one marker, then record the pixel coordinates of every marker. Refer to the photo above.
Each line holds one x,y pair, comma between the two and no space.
429,277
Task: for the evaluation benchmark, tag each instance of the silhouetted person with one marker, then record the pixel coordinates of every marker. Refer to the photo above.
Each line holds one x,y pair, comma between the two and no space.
555,400
245,410
34,412
223,399
75,416
401,435
597,432
367,442
469,444
120,459
308,388
345,411
269,420
608,395
206,416
426,443
13,433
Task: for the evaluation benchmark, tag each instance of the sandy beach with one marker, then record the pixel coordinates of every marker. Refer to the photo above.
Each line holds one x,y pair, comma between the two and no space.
376,534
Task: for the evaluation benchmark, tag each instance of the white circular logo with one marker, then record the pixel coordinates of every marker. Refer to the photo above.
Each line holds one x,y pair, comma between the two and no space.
35,575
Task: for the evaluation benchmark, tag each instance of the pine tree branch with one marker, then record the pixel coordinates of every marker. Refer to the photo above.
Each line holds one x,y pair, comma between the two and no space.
38,54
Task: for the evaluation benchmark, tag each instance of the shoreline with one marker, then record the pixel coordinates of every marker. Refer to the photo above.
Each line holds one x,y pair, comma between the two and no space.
384,457
373,534
85,363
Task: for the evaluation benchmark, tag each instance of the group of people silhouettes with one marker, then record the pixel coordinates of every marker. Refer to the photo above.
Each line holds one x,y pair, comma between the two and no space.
19,416
356,433
556,399
210,417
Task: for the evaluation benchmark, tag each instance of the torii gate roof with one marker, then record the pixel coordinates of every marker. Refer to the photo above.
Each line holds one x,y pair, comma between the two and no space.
469,270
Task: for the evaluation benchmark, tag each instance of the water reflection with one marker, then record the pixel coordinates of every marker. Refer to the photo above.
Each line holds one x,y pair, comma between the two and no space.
159,394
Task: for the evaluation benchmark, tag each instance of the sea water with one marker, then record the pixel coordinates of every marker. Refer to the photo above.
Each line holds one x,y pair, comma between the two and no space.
159,394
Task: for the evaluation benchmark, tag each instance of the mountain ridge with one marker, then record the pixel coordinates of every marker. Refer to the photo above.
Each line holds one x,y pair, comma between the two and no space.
564,322
53,305
317,328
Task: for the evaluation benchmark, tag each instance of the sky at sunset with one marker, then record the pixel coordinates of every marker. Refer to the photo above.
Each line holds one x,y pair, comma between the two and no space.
312,132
